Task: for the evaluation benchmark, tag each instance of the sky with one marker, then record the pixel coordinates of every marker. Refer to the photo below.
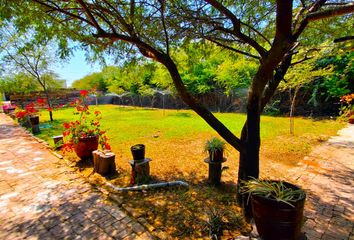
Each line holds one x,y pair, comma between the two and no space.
75,68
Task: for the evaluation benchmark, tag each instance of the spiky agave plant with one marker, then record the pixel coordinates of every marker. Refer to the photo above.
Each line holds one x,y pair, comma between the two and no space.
213,145
276,190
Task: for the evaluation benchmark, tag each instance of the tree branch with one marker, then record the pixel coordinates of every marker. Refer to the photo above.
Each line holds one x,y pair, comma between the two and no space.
343,39
199,108
89,15
273,84
303,24
237,27
233,49
332,12
162,8
58,9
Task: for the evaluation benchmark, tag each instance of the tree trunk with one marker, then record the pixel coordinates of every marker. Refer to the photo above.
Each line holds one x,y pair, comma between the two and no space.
249,160
49,105
292,108
42,83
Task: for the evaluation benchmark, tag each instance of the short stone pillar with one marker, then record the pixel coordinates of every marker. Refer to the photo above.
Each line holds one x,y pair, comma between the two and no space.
140,171
58,141
35,129
35,124
104,162
215,170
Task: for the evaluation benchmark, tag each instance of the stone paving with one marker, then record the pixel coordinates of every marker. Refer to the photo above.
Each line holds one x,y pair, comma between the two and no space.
41,198
327,174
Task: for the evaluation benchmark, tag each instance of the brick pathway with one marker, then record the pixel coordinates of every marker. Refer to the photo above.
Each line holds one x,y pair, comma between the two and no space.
40,198
328,176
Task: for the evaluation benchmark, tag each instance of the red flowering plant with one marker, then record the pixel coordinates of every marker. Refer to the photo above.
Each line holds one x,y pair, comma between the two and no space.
23,115
87,125
347,107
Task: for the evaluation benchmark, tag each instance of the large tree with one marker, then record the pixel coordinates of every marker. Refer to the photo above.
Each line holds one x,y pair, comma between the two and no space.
27,53
268,31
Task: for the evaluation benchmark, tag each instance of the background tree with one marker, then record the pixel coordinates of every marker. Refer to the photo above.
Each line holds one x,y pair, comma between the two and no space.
17,83
26,52
301,73
204,68
90,81
267,31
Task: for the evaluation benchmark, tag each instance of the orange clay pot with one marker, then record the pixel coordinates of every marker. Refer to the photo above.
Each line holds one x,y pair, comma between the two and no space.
85,146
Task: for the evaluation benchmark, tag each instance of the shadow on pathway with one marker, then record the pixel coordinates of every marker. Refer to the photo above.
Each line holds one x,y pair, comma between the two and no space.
327,174
41,198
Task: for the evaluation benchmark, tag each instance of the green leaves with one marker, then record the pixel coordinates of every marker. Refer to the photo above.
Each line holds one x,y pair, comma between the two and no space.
276,190
214,144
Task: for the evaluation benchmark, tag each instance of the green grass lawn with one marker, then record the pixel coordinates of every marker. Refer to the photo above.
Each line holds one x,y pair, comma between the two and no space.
174,141
175,138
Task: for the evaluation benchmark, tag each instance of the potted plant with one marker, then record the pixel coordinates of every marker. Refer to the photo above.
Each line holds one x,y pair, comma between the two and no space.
277,208
28,117
22,117
33,117
215,147
138,152
8,107
85,134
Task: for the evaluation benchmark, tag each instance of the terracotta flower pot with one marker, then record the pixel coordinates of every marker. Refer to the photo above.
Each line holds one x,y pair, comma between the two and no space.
85,146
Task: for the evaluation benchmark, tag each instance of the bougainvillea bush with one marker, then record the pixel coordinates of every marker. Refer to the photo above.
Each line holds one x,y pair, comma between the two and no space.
88,124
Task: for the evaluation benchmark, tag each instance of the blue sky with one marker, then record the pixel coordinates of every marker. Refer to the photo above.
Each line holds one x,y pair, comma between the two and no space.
75,68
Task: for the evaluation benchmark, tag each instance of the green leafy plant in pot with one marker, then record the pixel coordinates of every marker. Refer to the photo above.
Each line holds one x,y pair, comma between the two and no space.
277,208
215,147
